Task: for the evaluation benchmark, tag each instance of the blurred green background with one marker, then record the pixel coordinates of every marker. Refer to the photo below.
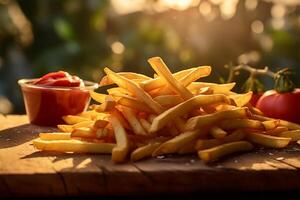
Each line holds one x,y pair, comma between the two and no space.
83,36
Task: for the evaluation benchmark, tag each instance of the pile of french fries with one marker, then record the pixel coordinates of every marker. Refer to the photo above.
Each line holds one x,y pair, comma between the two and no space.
144,117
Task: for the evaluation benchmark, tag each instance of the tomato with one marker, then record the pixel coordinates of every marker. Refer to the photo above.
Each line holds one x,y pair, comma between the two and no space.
255,97
59,78
281,105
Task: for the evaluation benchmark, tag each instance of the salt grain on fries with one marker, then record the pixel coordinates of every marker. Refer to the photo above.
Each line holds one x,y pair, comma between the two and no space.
171,113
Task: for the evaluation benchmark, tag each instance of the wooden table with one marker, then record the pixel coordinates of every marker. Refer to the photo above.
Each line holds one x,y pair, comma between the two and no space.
25,171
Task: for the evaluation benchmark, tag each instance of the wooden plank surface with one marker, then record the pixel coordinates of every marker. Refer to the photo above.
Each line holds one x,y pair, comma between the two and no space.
27,172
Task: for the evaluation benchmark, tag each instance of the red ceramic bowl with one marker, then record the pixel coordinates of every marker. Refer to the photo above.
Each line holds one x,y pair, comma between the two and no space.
45,105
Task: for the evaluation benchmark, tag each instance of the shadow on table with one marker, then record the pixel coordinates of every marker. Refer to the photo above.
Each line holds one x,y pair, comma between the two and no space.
274,195
20,134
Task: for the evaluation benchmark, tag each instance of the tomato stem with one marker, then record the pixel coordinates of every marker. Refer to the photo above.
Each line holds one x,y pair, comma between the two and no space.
253,71
283,82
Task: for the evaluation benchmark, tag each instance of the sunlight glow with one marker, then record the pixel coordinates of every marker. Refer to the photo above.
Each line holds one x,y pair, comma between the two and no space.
257,26
117,47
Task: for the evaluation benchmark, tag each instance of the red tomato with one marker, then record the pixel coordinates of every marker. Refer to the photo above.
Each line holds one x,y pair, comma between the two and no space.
255,97
281,105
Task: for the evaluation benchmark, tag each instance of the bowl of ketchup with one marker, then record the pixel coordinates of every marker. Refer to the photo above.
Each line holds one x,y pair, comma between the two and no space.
54,95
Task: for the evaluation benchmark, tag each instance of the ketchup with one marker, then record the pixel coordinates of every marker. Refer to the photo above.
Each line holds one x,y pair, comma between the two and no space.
54,95
60,78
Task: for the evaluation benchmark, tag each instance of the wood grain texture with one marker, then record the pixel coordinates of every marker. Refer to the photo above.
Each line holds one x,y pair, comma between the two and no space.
25,171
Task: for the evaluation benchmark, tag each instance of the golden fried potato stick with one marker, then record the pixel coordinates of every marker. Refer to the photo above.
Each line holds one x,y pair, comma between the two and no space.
100,98
270,124
294,135
83,132
217,88
73,119
241,99
230,124
65,128
120,151
168,100
108,105
195,74
163,119
217,132
290,125
163,71
209,143
72,145
173,145
129,114
268,140
106,80
118,91
55,136
217,152
210,119
144,151
135,89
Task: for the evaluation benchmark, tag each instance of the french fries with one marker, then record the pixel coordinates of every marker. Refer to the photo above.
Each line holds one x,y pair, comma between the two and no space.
75,146
224,149
168,114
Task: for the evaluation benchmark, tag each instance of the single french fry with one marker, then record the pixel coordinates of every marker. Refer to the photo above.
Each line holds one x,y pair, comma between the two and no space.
108,105
65,128
241,99
194,75
117,113
179,124
270,124
217,132
73,119
118,91
72,145
217,152
173,145
217,88
135,89
294,135
100,98
120,151
55,136
163,71
133,121
230,124
290,125
209,143
161,120
144,151
106,80
83,132
268,140
209,119
168,100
